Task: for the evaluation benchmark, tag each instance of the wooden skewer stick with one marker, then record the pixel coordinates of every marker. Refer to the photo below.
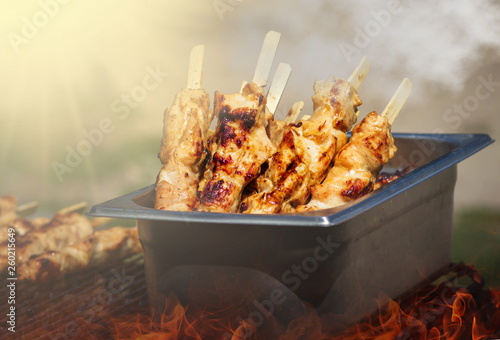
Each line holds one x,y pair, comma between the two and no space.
243,85
294,112
360,72
75,208
397,101
27,209
195,71
266,58
278,85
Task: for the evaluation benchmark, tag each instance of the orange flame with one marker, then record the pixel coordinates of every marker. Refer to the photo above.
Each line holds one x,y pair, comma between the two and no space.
450,320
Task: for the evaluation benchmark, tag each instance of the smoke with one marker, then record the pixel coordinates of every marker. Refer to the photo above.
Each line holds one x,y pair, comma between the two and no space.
434,43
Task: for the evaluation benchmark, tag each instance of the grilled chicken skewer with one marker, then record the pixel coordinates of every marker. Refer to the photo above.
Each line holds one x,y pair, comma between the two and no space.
307,149
240,144
183,149
101,248
62,230
22,226
358,163
238,148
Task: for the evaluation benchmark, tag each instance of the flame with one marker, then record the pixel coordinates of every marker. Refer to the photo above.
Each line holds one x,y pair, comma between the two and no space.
429,318
434,313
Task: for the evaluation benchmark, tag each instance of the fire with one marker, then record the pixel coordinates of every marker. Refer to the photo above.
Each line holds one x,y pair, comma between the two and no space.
120,311
434,316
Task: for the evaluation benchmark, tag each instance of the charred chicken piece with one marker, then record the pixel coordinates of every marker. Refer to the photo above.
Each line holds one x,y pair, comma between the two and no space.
22,226
384,178
307,150
62,230
356,165
238,148
101,248
183,150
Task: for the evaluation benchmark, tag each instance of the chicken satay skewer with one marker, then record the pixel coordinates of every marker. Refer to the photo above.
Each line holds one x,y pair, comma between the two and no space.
101,248
307,148
356,78
190,100
62,230
358,163
184,142
240,144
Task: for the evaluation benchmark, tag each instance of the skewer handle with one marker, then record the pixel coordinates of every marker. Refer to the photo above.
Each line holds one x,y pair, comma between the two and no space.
266,58
75,208
397,101
243,85
278,85
27,209
360,72
294,112
195,71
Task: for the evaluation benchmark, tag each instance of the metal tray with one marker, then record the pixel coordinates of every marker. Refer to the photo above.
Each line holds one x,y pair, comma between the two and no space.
336,261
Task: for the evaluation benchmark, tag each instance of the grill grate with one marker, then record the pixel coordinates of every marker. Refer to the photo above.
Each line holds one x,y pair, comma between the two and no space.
80,305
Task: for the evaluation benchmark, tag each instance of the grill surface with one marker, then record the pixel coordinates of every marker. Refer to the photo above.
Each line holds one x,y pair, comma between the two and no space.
79,306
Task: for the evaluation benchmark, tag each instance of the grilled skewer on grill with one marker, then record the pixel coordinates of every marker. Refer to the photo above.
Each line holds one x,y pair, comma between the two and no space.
101,248
62,230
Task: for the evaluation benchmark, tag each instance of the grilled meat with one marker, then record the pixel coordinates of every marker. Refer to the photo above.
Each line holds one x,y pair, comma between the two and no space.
187,103
238,148
387,177
62,230
22,226
99,249
183,151
306,150
356,165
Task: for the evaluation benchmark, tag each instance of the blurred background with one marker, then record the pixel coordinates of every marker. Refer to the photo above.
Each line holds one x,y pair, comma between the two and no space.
84,86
